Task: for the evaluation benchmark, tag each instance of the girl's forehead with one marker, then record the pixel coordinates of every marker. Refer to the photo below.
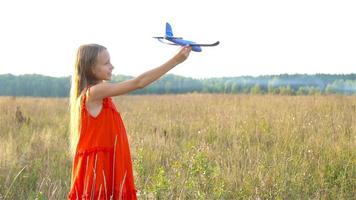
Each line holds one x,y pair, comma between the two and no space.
103,55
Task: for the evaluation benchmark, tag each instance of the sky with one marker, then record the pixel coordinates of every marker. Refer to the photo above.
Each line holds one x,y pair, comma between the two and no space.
257,37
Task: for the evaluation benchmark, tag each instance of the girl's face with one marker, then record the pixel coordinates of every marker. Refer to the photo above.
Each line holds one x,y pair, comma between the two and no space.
103,68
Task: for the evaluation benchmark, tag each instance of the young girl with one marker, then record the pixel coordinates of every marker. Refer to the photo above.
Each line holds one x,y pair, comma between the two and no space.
102,166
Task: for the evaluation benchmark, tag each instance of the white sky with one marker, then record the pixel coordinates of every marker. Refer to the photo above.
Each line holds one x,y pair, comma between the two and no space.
257,37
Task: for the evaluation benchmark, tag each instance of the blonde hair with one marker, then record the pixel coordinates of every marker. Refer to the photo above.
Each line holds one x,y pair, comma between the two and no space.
81,78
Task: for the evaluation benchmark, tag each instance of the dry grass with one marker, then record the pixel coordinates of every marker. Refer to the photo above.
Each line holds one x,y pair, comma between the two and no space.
195,146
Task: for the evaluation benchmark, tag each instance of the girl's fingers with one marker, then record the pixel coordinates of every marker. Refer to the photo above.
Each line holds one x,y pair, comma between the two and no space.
183,53
187,49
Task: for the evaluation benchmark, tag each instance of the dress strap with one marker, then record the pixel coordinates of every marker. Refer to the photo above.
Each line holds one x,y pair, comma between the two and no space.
85,94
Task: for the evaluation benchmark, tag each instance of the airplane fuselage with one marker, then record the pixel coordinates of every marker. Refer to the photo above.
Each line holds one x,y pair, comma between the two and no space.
184,43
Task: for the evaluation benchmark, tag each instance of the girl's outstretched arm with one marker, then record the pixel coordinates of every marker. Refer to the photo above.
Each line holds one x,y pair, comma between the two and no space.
102,90
152,75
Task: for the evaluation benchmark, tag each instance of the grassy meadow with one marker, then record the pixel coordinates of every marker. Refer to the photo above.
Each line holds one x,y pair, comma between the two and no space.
194,146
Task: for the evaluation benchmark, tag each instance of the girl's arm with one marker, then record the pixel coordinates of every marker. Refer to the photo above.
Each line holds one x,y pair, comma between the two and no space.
102,90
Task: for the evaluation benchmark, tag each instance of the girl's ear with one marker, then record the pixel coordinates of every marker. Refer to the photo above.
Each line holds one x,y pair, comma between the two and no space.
93,70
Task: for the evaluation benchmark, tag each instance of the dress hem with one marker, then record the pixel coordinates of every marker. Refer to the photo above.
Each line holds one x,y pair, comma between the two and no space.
132,194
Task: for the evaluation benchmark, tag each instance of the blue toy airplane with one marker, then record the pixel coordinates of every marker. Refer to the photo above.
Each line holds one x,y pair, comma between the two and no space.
179,41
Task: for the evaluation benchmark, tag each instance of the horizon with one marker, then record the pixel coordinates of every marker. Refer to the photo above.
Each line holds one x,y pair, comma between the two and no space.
305,74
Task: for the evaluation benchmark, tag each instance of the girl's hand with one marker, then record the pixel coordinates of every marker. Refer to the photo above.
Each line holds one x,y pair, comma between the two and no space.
182,55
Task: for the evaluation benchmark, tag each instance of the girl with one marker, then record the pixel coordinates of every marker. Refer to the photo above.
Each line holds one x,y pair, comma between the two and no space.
102,166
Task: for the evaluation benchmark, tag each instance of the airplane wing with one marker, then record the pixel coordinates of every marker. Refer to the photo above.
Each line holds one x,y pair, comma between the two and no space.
205,45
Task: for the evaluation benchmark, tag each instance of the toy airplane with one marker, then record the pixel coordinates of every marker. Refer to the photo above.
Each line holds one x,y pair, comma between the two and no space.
179,41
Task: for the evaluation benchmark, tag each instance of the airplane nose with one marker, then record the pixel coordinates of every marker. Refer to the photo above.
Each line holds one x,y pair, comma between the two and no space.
196,48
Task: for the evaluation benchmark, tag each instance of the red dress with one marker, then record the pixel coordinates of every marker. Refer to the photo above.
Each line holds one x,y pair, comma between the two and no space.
102,167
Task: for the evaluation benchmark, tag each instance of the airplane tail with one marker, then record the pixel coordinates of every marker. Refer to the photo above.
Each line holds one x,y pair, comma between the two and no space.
169,32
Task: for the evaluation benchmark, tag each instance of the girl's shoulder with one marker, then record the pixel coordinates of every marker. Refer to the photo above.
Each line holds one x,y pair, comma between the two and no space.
85,94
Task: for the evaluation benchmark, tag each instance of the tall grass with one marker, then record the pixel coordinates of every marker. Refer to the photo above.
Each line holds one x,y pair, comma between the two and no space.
195,146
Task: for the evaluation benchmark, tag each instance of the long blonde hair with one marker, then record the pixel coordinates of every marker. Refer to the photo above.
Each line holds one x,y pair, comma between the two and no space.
82,76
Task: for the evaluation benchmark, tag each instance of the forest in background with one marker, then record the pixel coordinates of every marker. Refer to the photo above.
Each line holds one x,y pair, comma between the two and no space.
283,84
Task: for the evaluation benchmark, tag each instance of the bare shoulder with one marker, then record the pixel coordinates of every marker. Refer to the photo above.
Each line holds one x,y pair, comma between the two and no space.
93,105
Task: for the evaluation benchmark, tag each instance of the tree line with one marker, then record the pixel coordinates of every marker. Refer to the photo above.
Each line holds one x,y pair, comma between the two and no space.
283,84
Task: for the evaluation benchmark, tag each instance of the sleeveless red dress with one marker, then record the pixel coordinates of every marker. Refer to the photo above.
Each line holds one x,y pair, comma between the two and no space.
102,167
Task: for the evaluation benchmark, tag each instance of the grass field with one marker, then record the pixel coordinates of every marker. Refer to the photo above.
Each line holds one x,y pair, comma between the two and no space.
194,146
